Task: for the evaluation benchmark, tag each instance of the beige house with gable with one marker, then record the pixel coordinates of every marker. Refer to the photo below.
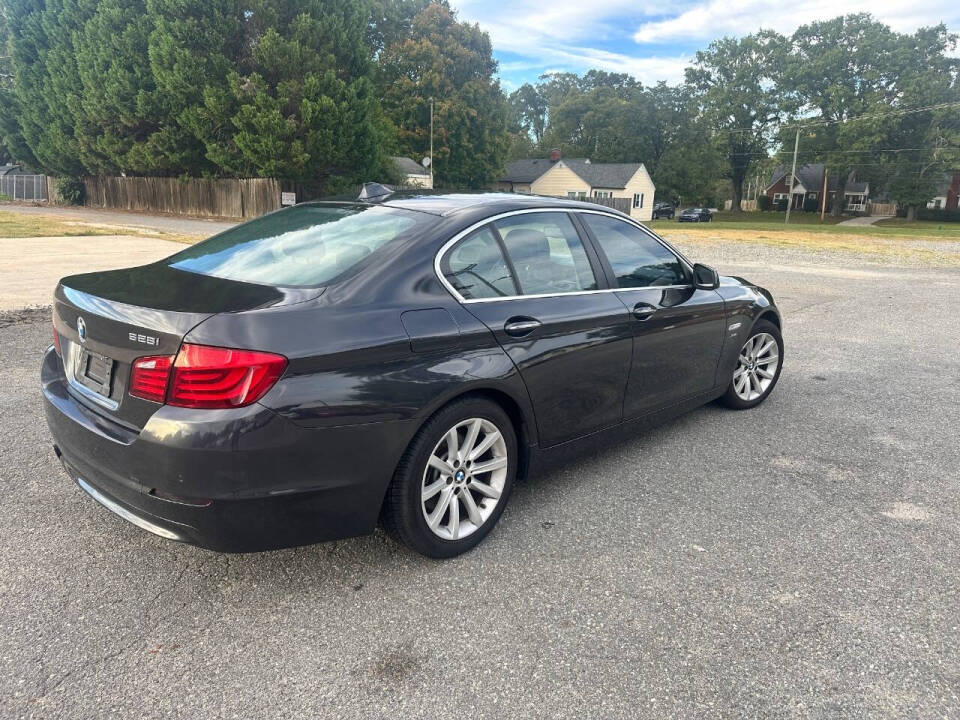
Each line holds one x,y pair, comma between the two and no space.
580,179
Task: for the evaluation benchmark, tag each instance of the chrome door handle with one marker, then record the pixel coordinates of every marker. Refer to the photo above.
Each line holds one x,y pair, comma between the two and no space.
642,311
520,326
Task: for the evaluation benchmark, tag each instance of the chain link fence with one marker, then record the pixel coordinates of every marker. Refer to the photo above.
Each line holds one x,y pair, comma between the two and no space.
23,187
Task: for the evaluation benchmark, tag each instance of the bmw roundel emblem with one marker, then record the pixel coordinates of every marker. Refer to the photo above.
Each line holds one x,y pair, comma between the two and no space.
81,329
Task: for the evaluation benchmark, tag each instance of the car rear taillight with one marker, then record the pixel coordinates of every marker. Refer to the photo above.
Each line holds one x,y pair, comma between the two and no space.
148,377
215,377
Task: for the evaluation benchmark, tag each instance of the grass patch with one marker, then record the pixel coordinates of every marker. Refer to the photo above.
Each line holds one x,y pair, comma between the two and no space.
932,228
21,225
896,249
15,225
810,223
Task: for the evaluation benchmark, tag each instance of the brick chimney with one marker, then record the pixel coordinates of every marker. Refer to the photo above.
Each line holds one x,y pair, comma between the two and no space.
554,155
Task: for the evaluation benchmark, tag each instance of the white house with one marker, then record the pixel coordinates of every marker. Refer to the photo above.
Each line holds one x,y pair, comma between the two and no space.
580,179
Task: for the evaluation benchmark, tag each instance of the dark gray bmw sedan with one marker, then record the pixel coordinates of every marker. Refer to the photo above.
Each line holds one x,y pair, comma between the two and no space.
305,375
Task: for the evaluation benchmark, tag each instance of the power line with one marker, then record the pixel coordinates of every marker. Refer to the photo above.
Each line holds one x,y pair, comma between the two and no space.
817,123
763,154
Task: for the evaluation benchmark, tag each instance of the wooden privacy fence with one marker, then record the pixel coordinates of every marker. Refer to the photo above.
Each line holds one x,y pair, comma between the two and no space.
227,198
621,204
883,209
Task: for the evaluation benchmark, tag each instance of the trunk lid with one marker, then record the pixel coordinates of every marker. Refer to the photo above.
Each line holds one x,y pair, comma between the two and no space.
123,315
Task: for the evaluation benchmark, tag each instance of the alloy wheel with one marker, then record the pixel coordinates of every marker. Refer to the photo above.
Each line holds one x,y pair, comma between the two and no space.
464,478
757,367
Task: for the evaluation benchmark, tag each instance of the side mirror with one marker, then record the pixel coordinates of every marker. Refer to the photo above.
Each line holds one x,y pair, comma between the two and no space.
705,277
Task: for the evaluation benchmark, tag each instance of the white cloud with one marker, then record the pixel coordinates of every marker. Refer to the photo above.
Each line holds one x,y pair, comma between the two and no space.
716,18
575,35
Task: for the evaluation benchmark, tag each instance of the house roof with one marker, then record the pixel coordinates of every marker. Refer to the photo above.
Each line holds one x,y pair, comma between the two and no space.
598,175
409,166
11,170
811,177
604,175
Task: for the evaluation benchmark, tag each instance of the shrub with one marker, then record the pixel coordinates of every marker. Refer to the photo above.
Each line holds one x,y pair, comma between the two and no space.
782,204
71,190
811,204
934,214
763,202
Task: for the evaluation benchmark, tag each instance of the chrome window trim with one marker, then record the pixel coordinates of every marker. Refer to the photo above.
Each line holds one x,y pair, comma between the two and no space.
526,211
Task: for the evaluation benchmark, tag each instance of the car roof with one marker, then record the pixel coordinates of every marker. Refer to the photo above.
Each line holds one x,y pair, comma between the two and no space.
446,204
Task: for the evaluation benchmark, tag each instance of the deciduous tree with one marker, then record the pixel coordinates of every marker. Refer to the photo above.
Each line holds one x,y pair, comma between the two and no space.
452,62
735,81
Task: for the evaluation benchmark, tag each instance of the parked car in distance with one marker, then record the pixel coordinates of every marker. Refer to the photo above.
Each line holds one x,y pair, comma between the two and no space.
663,210
302,376
695,214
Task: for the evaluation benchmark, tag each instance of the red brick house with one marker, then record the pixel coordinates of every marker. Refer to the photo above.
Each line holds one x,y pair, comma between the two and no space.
808,184
949,191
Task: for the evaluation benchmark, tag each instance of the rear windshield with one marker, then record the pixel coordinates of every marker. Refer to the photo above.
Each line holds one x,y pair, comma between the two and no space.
307,245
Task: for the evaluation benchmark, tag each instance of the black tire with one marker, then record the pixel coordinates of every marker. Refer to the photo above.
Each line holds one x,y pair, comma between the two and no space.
403,512
730,398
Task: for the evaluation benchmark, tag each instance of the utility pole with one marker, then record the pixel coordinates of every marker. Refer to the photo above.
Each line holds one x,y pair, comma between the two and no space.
796,146
823,195
431,142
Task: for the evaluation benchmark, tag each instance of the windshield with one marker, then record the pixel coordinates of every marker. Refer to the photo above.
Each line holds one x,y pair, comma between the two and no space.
306,245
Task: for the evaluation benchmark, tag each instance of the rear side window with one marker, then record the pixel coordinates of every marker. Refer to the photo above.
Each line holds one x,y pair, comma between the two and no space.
636,258
477,269
546,253
307,245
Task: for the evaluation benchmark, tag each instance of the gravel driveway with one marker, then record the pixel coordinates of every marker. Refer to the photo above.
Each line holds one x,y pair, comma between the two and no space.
800,559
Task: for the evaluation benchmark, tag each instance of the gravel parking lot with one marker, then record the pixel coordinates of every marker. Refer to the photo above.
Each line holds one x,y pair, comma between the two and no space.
798,559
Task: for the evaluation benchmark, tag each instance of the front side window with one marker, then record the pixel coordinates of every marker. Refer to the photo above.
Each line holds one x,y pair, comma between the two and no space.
636,258
546,253
476,268
307,245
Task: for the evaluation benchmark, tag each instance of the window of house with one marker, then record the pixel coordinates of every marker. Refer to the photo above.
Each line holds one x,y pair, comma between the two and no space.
638,200
576,195
546,253
477,269
636,258
603,193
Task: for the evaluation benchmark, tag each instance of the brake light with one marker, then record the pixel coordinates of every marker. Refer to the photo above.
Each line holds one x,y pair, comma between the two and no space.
215,377
148,377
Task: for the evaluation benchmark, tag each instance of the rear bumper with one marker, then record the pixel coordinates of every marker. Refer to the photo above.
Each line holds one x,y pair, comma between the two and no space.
239,480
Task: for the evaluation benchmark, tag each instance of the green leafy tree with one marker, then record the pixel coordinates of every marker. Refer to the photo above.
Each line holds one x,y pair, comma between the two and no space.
45,93
847,77
298,102
734,79
451,62
193,47
119,110
8,122
528,107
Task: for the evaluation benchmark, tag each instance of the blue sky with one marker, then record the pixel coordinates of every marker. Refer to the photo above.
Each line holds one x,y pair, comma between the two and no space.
655,41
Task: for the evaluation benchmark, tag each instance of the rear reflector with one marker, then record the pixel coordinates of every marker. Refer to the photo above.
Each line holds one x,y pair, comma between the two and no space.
215,377
56,337
148,377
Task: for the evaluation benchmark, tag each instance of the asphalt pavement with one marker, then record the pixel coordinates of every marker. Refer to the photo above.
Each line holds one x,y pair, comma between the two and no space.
797,560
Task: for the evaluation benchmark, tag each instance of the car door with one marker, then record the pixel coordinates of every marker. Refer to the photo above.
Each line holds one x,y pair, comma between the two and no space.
678,329
531,280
